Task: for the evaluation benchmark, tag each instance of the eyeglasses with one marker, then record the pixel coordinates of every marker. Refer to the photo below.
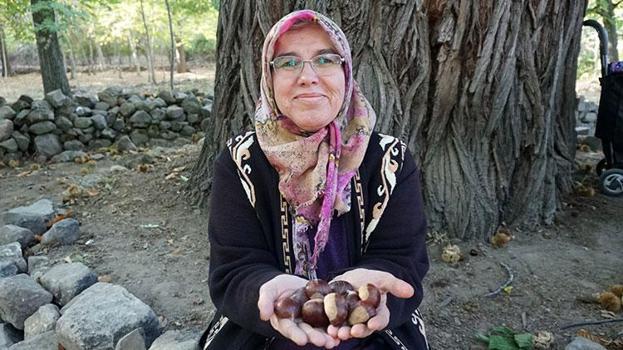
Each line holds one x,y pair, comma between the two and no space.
324,64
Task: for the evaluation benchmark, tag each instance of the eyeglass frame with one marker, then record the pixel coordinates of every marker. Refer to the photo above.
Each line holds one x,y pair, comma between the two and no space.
310,61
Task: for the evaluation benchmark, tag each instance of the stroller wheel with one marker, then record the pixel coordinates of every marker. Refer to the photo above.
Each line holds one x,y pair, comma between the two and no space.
601,166
612,182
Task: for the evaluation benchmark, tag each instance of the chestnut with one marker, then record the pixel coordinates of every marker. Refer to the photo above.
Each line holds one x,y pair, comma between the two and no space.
313,313
317,286
370,295
299,296
287,307
341,287
336,308
361,314
352,299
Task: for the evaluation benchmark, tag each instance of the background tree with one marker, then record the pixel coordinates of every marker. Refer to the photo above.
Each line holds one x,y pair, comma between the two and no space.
481,91
172,55
606,10
4,55
151,77
50,55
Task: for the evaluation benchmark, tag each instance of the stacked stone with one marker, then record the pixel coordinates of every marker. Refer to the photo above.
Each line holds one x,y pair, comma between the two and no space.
58,123
44,305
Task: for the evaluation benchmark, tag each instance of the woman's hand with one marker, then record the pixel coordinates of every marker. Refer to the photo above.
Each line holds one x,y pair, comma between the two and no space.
387,283
299,333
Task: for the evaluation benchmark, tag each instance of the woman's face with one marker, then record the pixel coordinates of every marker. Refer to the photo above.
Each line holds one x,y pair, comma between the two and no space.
310,100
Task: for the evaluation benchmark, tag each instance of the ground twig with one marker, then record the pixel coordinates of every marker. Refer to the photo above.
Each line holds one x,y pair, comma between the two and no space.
590,323
510,279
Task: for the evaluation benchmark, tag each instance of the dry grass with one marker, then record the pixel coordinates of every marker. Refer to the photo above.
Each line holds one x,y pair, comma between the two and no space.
201,78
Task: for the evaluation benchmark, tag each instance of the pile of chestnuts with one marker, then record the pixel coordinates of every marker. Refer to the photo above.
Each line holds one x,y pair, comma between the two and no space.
337,303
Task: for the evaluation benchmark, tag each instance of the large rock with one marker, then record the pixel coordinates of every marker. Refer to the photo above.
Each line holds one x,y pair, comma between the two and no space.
85,99
124,144
140,119
22,141
42,321
38,266
34,217
127,108
7,269
6,129
8,335
65,281
109,95
45,341
64,232
109,133
103,314
99,122
20,297
175,113
73,145
48,145
57,99
166,96
139,137
9,145
191,105
63,123
6,112
12,233
12,254
176,340
83,122
40,111
41,128
132,341
581,343
67,156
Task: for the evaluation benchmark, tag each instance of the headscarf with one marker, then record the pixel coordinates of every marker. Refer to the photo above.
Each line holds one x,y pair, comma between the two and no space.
314,168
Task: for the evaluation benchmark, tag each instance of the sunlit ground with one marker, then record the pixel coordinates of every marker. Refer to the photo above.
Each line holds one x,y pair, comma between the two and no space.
201,78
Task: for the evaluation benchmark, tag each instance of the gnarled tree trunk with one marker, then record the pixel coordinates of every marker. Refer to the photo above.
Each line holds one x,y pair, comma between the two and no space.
483,92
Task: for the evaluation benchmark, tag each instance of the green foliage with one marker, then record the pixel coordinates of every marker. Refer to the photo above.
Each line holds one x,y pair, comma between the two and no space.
504,338
112,24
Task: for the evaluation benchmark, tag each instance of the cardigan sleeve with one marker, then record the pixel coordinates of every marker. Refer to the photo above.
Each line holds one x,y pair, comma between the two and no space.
240,257
398,243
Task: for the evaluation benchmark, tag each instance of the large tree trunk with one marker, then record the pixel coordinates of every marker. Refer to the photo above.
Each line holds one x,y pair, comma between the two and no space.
610,19
483,92
50,55
4,54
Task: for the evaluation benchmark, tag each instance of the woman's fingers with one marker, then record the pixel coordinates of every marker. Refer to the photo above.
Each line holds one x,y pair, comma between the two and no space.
360,330
289,329
387,282
344,333
381,320
318,337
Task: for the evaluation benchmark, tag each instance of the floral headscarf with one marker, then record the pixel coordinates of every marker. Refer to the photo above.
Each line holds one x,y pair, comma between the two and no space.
314,169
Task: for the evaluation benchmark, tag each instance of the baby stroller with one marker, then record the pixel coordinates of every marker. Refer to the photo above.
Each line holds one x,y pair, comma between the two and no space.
609,128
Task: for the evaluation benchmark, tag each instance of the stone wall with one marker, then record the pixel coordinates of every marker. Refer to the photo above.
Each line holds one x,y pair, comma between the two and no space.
42,129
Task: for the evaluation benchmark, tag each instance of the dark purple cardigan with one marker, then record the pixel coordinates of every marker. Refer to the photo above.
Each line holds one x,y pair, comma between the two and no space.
250,239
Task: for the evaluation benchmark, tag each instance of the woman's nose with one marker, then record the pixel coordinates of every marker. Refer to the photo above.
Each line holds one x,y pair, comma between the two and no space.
308,75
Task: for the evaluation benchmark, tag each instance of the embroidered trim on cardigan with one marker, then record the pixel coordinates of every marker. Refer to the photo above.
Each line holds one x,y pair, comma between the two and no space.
285,235
240,154
395,339
362,210
390,164
215,329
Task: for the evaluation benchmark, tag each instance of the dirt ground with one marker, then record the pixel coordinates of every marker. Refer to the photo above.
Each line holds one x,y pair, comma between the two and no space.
139,230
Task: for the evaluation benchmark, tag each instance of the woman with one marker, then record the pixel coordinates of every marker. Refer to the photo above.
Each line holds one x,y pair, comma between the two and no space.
313,192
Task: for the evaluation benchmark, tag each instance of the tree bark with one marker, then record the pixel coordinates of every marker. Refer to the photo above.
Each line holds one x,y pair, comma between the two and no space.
4,54
482,92
172,37
182,67
101,60
50,55
134,57
611,27
151,76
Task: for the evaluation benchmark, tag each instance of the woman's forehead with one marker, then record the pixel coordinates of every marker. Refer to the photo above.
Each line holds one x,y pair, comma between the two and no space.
304,36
